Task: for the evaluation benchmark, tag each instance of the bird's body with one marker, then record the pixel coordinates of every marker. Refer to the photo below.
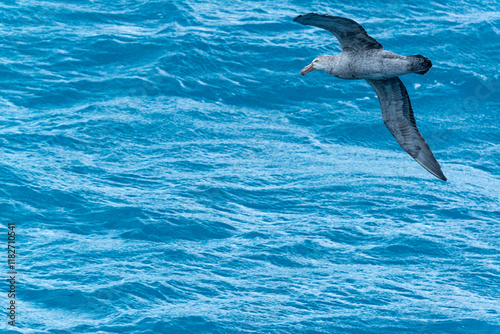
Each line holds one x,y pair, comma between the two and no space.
372,64
362,57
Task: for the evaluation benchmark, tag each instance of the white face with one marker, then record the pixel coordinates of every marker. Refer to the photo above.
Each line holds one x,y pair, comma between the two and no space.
320,63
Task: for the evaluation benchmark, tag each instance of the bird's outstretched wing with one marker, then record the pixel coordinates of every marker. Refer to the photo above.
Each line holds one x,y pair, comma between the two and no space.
350,34
398,117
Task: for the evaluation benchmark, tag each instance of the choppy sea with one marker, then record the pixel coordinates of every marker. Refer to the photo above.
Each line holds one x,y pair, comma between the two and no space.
168,170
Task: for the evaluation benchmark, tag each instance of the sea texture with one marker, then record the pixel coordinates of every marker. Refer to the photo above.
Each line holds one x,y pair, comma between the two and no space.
168,170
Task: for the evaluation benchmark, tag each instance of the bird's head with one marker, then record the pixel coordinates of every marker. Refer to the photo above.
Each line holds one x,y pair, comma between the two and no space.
321,63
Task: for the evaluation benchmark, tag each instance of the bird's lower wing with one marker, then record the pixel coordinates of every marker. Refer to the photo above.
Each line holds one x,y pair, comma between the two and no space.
397,115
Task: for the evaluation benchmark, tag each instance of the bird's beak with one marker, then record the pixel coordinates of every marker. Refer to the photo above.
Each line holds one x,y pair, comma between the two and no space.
307,69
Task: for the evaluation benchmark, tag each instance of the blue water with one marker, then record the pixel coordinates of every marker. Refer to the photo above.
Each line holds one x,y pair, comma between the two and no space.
169,170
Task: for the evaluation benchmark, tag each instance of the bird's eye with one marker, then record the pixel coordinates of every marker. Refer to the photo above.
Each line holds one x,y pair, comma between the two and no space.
315,61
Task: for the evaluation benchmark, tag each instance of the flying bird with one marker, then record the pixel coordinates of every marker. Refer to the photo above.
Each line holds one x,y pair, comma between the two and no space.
362,57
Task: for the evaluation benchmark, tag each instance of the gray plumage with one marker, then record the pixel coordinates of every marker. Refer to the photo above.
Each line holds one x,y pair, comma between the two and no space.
397,115
362,57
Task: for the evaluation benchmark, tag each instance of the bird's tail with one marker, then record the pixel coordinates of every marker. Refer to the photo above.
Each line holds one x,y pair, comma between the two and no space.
422,64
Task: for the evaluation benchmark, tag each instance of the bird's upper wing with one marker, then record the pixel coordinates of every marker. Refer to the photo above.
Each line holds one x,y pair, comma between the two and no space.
350,34
398,117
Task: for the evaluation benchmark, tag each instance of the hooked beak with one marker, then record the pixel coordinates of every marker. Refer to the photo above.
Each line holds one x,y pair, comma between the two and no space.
307,69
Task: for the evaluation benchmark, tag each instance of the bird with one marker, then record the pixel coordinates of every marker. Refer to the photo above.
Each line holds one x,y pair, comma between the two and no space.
363,57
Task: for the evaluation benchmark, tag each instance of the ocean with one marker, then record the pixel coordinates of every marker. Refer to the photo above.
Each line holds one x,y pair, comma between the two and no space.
164,168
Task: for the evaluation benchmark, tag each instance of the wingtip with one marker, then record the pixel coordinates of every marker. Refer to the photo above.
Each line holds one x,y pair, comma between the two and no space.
305,16
297,19
437,172
430,164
